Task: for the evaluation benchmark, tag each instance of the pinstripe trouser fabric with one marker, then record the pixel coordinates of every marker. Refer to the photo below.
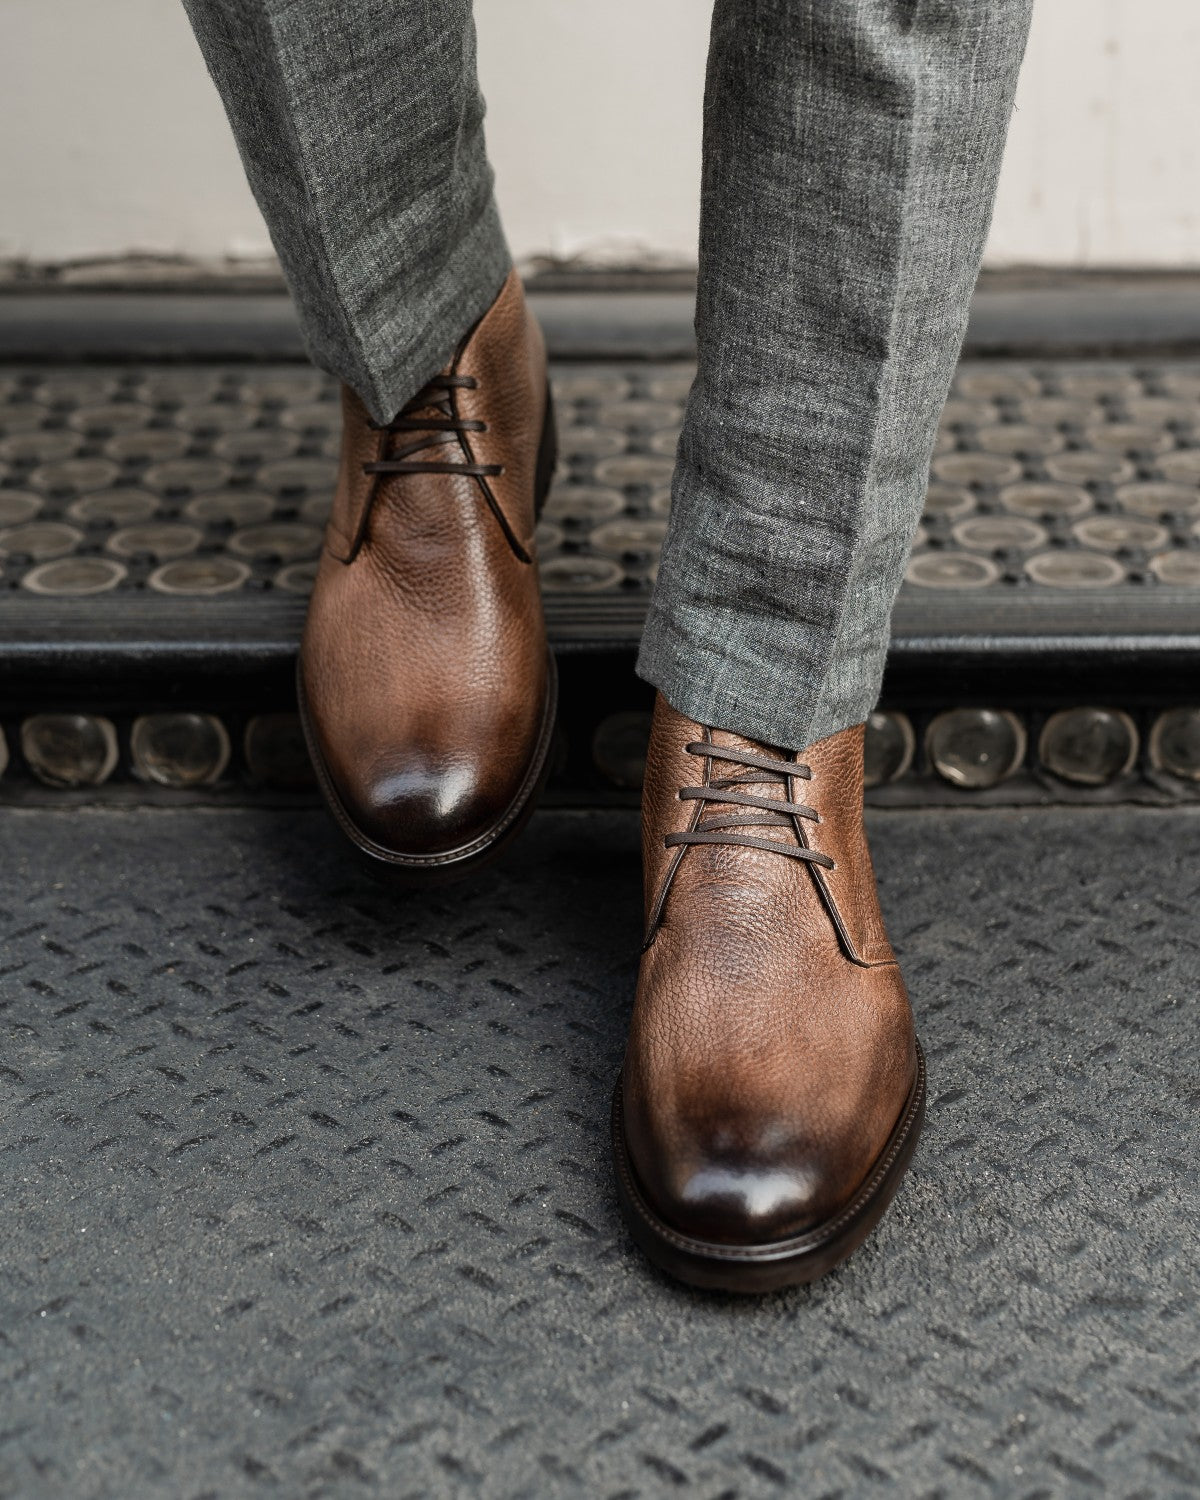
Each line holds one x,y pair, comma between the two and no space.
851,150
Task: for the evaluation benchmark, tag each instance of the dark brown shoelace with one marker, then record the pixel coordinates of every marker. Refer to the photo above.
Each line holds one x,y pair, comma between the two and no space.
711,826
769,812
433,416
444,429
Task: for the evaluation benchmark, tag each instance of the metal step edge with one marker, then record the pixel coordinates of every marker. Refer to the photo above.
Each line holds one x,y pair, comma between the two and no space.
1122,317
962,645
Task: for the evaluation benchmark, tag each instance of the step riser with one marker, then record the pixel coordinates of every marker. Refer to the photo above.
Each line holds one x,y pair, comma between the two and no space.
958,755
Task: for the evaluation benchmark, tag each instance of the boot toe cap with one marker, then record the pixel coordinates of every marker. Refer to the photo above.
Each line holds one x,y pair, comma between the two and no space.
422,808
741,1183
748,1202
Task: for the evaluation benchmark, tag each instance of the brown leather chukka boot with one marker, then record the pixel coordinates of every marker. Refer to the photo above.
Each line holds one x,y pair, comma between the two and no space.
773,1087
426,688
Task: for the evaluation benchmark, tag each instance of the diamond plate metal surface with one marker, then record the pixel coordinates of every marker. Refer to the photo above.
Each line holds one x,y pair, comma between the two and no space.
201,482
307,1191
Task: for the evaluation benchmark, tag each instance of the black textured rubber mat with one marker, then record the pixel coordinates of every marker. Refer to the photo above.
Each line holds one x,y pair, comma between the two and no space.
195,483
307,1193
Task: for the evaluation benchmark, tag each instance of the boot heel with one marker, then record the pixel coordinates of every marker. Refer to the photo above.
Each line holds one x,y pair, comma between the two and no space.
547,457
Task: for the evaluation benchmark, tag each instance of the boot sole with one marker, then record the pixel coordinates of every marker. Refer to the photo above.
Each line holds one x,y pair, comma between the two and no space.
396,867
753,1269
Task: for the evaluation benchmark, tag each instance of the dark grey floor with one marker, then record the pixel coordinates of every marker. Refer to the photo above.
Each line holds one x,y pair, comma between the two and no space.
306,1187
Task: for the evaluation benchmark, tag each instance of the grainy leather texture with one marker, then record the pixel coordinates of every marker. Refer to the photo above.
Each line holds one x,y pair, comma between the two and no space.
424,666
771,1050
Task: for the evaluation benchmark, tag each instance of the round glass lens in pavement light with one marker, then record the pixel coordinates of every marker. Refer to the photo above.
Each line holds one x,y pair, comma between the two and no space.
179,749
975,747
888,748
1175,743
71,750
1088,746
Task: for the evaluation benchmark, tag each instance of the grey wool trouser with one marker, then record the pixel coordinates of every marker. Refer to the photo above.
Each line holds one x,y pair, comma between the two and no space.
851,150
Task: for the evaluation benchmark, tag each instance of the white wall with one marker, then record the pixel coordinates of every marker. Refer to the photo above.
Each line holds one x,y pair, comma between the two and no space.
112,140
1103,163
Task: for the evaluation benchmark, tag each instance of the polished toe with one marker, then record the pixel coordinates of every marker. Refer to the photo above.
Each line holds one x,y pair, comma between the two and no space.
737,1175
746,1202
425,808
